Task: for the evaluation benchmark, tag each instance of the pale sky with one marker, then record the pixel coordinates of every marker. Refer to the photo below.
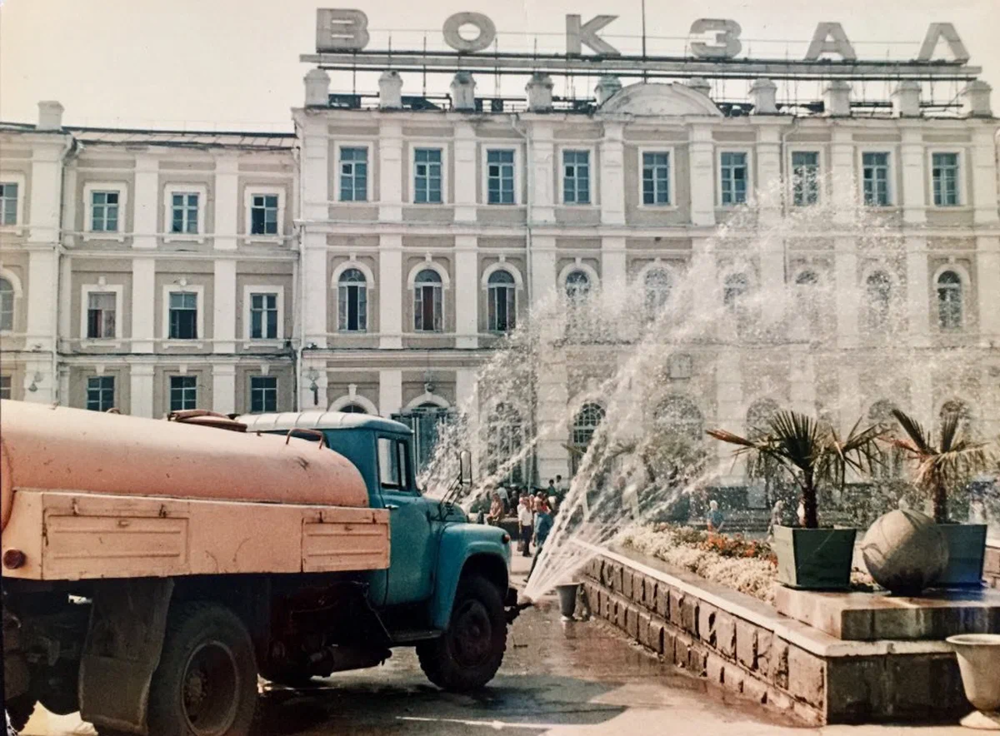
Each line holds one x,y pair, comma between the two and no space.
217,64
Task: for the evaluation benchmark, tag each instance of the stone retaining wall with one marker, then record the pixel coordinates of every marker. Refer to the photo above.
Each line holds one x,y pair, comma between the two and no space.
775,662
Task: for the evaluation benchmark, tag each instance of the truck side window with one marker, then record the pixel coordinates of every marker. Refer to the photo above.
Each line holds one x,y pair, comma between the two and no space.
390,471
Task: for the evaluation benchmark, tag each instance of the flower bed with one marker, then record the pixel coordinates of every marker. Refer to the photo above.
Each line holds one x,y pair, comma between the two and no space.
746,566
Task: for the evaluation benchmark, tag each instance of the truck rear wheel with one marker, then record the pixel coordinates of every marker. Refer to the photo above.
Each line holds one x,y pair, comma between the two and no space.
469,653
206,682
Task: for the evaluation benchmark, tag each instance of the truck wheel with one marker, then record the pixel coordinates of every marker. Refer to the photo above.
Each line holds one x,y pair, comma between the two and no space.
206,682
469,653
19,710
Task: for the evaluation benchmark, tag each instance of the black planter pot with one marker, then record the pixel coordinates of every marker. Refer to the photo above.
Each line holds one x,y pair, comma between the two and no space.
966,554
814,559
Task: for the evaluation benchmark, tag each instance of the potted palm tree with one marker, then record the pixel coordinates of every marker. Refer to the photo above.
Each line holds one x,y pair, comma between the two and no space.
811,453
941,466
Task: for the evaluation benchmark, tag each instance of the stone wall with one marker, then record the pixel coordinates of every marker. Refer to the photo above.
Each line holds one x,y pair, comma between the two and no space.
744,646
992,566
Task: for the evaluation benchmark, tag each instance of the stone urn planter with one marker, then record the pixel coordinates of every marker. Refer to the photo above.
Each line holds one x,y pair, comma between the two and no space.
966,554
905,551
814,559
979,661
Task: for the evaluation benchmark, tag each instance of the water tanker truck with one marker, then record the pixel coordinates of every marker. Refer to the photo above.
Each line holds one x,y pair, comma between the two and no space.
152,570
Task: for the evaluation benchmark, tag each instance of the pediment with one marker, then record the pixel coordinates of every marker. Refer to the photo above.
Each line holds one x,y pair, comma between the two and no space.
672,99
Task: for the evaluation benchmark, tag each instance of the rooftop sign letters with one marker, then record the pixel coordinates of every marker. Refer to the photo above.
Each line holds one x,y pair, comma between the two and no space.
346,30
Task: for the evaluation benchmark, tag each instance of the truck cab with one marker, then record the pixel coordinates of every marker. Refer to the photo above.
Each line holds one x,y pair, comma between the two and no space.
434,551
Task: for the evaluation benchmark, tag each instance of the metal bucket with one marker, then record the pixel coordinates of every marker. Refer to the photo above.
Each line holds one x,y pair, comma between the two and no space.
567,599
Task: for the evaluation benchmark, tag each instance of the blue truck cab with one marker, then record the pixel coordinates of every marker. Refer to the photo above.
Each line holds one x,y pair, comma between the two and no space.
446,590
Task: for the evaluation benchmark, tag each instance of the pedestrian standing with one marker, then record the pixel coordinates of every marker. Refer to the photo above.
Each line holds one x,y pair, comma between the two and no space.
715,520
526,525
496,511
543,525
504,497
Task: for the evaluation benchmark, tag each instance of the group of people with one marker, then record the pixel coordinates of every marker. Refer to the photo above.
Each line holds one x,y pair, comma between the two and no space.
534,511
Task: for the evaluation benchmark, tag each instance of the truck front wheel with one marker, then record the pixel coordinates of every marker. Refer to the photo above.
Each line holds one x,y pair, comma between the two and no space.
206,682
469,653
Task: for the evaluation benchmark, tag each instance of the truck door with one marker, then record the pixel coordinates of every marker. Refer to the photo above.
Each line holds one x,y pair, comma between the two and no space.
411,561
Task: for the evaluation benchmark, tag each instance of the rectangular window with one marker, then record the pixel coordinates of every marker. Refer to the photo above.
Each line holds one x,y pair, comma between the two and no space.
500,176
8,203
264,214
6,386
427,175
733,178
264,316
101,315
353,174
576,177
100,393
875,178
263,393
183,315
104,212
183,393
805,178
945,174
184,212
392,463
656,178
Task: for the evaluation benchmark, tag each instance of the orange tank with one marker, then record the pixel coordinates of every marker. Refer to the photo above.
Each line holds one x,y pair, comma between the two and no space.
55,448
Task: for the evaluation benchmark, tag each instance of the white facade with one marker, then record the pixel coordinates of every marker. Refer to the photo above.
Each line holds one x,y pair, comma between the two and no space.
405,240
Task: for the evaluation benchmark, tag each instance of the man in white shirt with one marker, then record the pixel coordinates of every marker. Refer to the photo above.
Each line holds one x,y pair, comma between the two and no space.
525,524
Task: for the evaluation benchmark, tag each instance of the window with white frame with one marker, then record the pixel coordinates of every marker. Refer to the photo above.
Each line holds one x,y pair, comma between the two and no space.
353,174
805,178
657,291
576,177
428,302
585,424
656,177
263,394
500,176
427,176
944,172
184,212
949,293
352,409
183,393
264,316
183,315
101,314
9,192
502,297
875,178
6,387
100,393
7,297
733,178
264,209
577,285
104,211
352,301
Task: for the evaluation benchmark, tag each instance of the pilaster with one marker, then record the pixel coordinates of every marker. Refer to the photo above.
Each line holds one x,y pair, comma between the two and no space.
391,289
224,388
390,391
612,193
224,306
141,389
466,292
390,173
465,172
702,183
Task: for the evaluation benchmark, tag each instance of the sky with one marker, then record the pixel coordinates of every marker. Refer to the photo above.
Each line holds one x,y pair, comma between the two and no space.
234,64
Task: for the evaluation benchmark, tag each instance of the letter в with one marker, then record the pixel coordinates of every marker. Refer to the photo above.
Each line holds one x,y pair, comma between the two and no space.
340,29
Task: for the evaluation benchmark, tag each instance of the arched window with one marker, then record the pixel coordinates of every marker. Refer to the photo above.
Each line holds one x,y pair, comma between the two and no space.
735,290
657,291
502,312
6,305
679,416
949,292
353,409
585,423
878,291
759,416
577,285
428,302
353,301
505,439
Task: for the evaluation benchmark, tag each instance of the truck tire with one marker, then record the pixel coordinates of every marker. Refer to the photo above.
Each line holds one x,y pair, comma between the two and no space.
206,682
469,653
19,710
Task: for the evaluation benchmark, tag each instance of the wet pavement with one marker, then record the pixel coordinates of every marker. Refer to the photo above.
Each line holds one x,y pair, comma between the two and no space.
557,678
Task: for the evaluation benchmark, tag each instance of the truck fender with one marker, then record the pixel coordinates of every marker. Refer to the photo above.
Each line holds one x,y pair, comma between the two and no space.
122,650
466,547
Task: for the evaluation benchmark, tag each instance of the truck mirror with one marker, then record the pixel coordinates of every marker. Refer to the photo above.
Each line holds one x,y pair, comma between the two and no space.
465,461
